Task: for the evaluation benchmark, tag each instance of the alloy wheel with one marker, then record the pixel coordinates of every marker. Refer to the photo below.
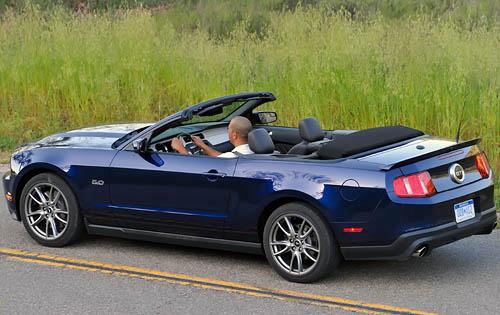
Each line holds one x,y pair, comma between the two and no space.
294,244
46,210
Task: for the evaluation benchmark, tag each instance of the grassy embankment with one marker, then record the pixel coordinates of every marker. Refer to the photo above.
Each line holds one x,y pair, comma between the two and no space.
60,71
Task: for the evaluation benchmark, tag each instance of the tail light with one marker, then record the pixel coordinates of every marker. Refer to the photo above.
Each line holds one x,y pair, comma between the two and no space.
482,165
353,229
414,185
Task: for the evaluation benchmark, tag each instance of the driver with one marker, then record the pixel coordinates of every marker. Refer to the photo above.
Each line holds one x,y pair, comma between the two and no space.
237,131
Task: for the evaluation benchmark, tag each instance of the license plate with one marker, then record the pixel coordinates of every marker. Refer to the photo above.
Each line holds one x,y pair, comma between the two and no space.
464,211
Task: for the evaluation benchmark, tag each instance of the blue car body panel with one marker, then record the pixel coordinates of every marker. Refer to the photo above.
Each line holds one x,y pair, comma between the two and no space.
228,199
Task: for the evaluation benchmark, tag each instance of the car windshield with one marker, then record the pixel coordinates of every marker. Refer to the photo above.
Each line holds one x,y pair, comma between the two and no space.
204,117
222,111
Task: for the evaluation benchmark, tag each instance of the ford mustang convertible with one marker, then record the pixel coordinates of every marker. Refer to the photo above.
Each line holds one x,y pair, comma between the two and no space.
306,197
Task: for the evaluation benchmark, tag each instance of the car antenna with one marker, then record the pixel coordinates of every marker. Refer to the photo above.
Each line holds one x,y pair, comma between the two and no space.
457,137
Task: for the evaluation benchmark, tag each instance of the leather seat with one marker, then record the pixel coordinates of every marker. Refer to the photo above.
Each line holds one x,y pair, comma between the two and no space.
312,137
260,142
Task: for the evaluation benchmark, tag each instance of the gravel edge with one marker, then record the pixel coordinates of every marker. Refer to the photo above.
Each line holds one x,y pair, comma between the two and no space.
4,168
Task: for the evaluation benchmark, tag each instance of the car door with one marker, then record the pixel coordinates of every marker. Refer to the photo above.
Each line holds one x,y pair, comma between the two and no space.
171,193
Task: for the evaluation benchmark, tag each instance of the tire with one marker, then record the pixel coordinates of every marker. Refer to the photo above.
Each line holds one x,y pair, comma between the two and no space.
46,203
280,247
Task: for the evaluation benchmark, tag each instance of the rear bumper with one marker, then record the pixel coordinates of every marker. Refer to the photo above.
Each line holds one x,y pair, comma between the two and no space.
407,243
7,181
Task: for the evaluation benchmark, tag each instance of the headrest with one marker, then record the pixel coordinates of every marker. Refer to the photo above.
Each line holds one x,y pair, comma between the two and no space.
260,141
310,130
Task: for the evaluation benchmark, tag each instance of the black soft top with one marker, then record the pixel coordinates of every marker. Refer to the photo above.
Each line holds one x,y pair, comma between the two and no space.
364,140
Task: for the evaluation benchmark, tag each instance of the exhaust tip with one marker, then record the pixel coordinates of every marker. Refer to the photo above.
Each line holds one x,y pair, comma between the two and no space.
421,251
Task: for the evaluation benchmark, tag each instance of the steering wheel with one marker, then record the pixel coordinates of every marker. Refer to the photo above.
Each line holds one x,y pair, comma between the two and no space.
189,145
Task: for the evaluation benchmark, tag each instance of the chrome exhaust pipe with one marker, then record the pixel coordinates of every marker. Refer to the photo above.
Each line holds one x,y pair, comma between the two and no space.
420,251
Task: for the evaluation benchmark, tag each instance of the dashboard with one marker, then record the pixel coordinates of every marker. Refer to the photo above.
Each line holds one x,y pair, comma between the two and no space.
213,137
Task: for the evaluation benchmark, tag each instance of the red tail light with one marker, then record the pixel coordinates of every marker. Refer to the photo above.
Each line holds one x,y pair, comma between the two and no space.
414,185
482,165
353,230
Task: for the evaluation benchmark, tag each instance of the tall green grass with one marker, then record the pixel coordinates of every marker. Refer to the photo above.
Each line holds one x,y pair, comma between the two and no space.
60,71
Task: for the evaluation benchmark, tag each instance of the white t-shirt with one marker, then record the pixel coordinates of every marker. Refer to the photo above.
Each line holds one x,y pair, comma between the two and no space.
241,149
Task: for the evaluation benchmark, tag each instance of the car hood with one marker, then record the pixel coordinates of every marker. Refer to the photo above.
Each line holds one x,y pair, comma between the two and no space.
91,137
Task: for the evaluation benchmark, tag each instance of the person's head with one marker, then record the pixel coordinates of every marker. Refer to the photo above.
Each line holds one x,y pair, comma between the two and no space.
238,130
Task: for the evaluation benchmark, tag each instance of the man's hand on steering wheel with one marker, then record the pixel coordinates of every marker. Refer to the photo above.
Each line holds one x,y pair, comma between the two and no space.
178,145
198,141
205,147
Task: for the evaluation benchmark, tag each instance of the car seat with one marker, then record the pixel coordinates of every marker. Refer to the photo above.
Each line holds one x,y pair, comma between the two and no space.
312,137
260,142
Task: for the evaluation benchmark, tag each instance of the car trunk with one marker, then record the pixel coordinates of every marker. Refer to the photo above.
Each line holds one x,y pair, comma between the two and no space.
435,156
448,200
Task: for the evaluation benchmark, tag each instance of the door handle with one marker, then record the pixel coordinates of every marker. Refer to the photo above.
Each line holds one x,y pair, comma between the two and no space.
213,175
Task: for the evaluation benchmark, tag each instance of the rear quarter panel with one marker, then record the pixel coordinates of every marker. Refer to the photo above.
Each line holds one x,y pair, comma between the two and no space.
344,193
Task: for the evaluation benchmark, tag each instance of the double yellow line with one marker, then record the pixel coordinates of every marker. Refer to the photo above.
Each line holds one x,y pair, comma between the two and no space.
205,283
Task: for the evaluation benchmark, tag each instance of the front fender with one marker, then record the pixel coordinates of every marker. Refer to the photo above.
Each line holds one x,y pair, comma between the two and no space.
78,167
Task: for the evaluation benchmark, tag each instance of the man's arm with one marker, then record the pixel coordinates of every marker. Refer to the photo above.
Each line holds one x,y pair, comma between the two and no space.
206,148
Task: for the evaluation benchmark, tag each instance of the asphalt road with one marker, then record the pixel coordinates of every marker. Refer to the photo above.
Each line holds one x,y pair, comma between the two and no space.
460,278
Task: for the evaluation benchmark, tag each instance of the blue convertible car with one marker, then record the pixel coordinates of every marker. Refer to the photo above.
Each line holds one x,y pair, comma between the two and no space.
306,198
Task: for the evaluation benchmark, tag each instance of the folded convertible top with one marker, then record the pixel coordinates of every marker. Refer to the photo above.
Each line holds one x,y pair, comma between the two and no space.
364,140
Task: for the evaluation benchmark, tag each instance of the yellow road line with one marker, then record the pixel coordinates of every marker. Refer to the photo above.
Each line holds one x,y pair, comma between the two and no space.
205,283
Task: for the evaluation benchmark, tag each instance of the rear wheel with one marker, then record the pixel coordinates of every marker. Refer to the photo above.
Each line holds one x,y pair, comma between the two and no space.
49,211
299,244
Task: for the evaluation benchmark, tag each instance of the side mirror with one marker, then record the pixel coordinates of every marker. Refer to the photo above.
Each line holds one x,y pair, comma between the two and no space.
266,117
139,145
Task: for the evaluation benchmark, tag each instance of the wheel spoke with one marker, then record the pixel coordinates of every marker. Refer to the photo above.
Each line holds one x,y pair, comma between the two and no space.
301,227
39,212
41,195
309,256
57,210
38,220
310,247
53,226
47,228
290,226
60,219
34,199
291,263
307,233
56,198
300,267
284,250
282,243
284,231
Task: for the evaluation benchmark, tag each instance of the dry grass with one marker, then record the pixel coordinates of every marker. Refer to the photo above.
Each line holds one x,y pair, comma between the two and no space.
60,71
4,157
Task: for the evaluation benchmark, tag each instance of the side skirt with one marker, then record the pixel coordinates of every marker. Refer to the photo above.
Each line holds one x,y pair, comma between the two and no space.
176,239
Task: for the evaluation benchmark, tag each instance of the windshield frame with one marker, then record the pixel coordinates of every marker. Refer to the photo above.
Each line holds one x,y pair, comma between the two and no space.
253,100
195,115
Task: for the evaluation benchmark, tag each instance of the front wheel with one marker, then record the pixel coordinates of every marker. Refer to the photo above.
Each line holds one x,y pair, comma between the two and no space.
50,212
299,245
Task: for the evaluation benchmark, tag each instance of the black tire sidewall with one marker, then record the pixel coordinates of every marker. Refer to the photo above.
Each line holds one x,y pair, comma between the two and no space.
75,222
329,257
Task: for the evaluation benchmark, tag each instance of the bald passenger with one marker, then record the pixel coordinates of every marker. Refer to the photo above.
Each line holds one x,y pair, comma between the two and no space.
237,131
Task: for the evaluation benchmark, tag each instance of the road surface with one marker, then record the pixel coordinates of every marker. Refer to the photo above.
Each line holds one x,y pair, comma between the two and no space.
116,276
